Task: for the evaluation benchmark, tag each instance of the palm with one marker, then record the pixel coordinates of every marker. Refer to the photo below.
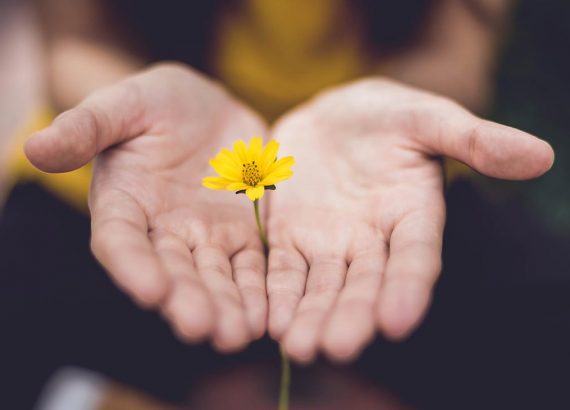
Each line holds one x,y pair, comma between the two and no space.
356,239
162,173
163,237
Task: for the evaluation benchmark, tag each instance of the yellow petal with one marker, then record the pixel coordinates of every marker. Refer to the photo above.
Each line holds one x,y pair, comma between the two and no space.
237,186
254,193
215,182
226,170
241,151
276,177
254,151
228,156
268,155
281,164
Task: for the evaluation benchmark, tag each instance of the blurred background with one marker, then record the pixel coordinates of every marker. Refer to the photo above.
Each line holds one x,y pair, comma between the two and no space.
498,333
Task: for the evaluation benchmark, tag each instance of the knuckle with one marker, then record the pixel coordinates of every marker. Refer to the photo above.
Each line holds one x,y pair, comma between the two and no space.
472,141
84,125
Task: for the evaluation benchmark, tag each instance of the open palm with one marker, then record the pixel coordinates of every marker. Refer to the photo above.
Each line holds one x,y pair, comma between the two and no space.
164,239
356,239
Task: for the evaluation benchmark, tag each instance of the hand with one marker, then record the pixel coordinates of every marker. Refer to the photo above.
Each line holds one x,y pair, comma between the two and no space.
356,237
166,240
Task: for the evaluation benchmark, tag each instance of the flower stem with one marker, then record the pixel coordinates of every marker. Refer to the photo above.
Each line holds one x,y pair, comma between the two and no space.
285,368
285,381
260,227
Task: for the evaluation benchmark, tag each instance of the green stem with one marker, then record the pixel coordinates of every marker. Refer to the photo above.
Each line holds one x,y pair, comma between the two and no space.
285,367
260,227
285,381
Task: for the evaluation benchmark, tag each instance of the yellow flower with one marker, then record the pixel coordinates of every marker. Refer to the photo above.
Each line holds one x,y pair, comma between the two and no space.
249,169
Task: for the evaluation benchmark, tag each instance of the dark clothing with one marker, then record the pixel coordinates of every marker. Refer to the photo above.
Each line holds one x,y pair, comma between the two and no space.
497,335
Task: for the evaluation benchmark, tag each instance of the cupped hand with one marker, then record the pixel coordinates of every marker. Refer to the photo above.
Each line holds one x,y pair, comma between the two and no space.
356,237
163,238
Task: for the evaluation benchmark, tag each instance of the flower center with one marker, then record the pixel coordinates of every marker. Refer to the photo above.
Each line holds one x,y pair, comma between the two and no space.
250,174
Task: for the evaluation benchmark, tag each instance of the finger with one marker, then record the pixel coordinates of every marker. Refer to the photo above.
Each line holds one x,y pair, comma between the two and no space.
107,117
414,263
351,324
188,306
120,242
231,329
286,278
490,148
325,280
249,274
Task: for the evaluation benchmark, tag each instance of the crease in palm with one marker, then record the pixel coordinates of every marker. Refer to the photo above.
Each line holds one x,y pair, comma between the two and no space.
355,238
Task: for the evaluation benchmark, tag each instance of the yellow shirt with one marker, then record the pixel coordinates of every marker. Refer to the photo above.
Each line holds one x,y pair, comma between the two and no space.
275,54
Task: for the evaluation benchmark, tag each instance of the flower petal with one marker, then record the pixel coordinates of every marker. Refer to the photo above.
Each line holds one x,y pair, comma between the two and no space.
241,151
281,164
276,177
237,186
268,155
215,182
256,192
254,151
226,169
228,156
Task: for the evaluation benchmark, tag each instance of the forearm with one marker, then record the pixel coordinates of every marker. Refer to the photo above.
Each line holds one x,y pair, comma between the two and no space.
82,53
78,67
457,51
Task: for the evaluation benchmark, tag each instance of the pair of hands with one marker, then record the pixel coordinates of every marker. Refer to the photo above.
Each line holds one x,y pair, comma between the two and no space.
355,237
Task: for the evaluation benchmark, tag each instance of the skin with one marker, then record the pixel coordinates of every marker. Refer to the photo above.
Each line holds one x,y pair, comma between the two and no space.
168,242
355,237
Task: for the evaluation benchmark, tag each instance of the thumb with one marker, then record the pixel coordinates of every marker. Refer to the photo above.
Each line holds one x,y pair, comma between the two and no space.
492,149
107,117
